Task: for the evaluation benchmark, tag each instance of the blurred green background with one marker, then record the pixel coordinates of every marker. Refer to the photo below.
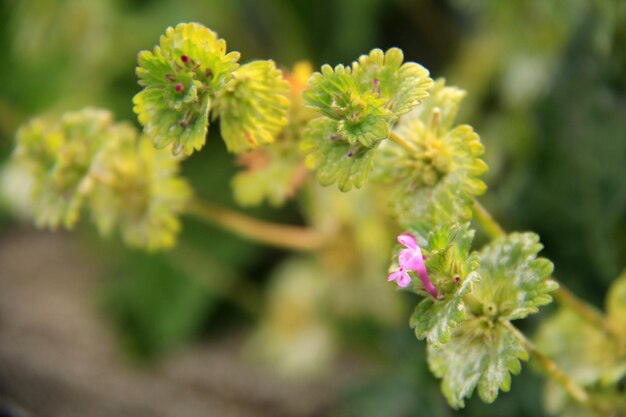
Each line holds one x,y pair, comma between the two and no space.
546,82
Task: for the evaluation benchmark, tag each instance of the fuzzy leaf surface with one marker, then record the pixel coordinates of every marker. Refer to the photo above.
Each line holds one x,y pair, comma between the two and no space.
335,160
58,155
137,191
479,356
438,179
453,270
362,115
403,84
444,100
253,106
515,282
181,77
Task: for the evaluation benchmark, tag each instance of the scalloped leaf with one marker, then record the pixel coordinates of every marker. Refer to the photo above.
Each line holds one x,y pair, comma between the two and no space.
180,77
434,319
445,99
515,282
363,116
253,106
137,190
335,160
479,355
58,154
439,179
453,270
275,172
403,85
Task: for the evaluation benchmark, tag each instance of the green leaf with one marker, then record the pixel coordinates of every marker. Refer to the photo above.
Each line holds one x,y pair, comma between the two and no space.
335,160
275,172
514,280
453,271
253,106
434,319
480,355
136,189
362,115
438,180
183,130
58,154
403,85
443,103
364,100
181,77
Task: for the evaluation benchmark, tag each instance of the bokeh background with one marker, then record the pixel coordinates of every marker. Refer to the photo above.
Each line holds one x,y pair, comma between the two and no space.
221,326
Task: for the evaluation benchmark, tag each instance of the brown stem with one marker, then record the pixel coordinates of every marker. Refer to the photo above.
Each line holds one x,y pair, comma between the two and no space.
279,235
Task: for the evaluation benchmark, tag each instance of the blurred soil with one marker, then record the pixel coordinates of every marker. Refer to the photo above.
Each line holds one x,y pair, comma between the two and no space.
58,358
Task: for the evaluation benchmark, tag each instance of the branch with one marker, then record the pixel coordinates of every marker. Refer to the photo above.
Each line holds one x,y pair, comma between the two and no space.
402,142
552,370
586,311
279,235
488,223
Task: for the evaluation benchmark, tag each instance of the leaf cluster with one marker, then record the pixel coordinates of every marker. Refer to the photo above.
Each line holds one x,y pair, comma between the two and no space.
470,343
86,160
190,73
359,105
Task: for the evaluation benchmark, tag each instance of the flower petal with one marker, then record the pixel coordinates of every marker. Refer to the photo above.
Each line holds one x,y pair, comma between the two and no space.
407,240
395,275
404,279
411,259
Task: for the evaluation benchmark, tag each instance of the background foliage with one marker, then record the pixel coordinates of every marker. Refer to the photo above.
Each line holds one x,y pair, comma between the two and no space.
546,84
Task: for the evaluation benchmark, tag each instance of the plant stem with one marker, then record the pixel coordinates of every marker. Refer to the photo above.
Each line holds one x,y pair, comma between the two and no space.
552,370
402,142
279,235
488,223
586,311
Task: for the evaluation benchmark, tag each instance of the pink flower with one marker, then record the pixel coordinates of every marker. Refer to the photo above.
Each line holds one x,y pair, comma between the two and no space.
411,259
401,277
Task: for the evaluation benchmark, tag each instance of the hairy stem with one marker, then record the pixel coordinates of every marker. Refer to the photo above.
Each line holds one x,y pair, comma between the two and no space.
552,370
279,235
402,142
586,311
488,223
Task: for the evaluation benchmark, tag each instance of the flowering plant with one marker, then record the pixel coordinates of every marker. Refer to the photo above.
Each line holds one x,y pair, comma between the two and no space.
380,122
